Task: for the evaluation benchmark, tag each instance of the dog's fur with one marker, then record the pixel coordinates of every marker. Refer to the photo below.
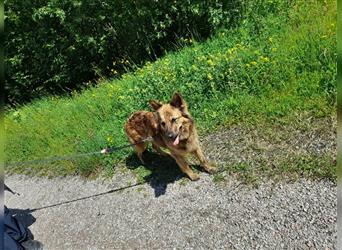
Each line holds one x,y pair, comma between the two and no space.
141,125
171,126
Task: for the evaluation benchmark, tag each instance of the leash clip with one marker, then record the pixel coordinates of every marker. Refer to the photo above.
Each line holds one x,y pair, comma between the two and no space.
104,151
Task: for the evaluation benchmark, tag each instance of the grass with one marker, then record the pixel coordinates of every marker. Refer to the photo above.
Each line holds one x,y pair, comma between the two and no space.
309,166
279,62
278,150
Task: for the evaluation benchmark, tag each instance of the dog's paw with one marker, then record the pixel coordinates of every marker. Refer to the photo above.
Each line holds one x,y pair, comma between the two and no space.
210,169
194,177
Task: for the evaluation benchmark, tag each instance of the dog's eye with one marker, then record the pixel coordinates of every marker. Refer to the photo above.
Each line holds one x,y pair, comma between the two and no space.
163,123
173,120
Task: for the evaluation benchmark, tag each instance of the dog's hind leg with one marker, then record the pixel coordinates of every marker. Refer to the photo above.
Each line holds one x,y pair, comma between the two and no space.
139,149
204,163
183,165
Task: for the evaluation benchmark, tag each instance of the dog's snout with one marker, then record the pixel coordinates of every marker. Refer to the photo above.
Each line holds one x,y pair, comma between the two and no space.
171,135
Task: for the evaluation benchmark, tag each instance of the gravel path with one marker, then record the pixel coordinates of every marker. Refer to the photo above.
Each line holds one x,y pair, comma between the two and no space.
73,213
197,215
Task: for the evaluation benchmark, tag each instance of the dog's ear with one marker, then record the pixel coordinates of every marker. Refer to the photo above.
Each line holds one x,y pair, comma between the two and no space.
155,105
178,102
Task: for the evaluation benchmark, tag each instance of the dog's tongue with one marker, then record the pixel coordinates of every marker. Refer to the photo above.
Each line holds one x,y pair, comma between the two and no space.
176,141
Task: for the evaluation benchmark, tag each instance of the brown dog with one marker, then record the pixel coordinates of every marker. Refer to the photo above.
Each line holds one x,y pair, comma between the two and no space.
178,131
171,126
140,126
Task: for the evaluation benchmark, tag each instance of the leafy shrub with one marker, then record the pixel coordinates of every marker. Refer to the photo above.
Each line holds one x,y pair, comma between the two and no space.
53,46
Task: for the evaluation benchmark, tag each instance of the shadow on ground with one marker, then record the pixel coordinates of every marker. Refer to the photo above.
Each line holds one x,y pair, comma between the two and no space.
163,170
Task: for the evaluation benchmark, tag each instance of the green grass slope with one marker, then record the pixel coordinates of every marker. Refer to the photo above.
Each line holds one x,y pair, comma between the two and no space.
279,62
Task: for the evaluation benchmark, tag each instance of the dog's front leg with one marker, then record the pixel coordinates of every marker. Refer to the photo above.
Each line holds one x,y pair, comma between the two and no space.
183,165
204,163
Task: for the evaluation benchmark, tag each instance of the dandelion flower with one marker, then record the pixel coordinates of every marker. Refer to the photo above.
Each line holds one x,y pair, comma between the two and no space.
109,139
194,67
210,62
264,59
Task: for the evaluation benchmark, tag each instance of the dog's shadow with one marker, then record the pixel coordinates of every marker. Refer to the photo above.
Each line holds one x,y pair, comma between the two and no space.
164,170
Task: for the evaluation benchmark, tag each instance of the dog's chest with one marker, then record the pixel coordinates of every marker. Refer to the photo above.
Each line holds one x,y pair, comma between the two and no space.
182,148
183,145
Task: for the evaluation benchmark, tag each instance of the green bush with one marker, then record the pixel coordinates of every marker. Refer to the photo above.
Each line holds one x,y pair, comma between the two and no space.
287,66
53,46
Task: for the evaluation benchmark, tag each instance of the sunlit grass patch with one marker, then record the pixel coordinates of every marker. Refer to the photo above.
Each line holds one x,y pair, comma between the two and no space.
273,66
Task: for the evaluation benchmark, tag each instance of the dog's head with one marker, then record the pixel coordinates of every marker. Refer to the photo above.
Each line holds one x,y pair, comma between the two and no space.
174,119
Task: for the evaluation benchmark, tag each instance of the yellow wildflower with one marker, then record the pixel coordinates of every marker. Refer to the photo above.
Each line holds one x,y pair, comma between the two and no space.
232,50
109,139
264,59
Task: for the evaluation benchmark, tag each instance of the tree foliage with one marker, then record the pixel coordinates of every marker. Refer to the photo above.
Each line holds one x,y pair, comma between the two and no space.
56,46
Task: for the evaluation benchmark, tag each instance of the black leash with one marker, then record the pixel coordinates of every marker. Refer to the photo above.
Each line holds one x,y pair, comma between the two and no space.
10,190
69,157
86,197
